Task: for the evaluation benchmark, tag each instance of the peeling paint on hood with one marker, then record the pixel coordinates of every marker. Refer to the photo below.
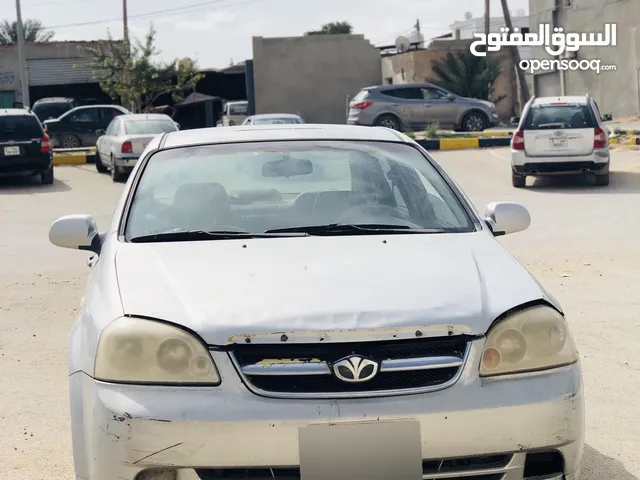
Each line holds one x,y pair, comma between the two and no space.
225,288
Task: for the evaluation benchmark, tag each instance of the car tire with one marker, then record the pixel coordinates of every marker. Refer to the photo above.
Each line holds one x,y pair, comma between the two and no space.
99,165
47,177
68,140
474,122
518,181
389,121
117,175
602,180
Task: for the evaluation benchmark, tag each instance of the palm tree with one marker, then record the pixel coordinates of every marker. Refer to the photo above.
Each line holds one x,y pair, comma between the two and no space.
467,75
33,31
333,28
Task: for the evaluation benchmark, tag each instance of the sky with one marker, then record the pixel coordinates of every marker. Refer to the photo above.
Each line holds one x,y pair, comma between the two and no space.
217,32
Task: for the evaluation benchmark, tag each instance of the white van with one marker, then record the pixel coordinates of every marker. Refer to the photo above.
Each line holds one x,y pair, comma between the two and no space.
234,113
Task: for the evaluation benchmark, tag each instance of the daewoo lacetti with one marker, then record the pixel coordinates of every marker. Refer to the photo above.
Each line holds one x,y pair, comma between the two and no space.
316,302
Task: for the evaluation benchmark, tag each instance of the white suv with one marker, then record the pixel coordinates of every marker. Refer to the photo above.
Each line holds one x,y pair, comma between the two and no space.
560,135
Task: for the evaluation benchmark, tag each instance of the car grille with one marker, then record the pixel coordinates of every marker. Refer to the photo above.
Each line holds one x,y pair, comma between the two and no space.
487,467
308,370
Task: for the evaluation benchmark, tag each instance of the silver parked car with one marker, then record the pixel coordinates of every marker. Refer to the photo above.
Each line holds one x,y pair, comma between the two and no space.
273,118
411,107
120,146
560,135
338,308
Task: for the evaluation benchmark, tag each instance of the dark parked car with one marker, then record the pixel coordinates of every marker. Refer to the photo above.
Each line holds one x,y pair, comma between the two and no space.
81,126
53,107
25,148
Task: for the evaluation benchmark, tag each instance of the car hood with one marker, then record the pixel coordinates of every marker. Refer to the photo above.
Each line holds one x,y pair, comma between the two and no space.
224,288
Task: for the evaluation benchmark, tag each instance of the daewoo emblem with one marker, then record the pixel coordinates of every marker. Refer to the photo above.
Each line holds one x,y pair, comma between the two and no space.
558,134
355,369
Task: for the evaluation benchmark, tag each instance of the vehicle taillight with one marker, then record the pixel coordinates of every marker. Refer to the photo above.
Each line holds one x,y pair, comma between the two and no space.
127,147
45,144
599,138
518,140
362,105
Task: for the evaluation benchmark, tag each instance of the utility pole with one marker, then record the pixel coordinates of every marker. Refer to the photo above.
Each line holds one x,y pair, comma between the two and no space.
515,57
125,23
487,17
417,25
24,82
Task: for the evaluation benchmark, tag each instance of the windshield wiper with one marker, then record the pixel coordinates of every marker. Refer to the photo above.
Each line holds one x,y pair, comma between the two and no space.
351,229
195,235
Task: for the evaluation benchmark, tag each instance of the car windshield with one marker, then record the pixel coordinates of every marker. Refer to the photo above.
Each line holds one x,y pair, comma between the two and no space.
141,127
567,116
274,120
261,186
238,109
19,127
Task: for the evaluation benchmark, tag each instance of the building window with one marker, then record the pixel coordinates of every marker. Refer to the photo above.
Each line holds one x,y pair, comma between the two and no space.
389,80
567,3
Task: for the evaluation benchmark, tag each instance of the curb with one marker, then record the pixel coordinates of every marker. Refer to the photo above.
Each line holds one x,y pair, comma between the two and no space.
464,143
624,141
74,156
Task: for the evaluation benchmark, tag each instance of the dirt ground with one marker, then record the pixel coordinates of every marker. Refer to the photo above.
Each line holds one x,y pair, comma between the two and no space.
582,245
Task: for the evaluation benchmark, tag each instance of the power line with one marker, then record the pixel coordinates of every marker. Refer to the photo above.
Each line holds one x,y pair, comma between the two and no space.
156,13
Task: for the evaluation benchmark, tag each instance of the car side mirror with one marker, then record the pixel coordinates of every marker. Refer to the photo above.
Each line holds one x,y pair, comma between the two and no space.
77,232
505,218
451,97
100,132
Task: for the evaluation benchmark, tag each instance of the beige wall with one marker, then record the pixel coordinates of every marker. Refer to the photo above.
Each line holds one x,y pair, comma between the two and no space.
313,75
416,67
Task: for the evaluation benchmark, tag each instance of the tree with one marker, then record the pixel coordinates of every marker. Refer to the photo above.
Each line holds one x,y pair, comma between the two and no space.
129,72
333,28
33,31
467,75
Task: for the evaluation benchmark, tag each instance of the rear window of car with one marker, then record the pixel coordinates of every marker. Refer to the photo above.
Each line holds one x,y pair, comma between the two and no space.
143,127
45,111
361,96
19,127
569,116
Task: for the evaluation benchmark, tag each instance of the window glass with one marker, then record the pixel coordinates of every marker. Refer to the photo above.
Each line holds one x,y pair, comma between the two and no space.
406,93
143,127
258,186
19,127
87,115
541,117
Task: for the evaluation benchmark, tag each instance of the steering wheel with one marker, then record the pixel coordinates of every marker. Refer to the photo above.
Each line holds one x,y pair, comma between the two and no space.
355,214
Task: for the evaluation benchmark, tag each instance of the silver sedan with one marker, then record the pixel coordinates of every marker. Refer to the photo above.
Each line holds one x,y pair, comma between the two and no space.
338,310
126,137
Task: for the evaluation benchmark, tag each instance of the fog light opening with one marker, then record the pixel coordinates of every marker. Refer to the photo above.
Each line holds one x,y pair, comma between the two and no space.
543,465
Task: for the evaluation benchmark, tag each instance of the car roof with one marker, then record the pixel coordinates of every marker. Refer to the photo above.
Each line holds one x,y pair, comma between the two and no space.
84,107
6,112
144,116
566,99
275,115
256,133
53,100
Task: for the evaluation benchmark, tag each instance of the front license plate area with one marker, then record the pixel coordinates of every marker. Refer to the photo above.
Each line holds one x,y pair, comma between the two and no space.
558,143
372,451
11,151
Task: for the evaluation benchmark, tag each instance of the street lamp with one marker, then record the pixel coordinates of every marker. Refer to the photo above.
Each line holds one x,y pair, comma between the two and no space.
24,82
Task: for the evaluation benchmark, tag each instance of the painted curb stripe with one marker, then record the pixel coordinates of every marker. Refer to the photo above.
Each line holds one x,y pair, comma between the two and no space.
463,143
73,158
625,141
495,142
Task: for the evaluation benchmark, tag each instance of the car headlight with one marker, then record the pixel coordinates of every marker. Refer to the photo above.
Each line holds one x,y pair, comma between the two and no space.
135,350
536,338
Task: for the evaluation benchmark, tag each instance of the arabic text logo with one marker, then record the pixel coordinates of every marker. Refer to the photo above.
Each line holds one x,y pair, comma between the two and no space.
355,369
554,40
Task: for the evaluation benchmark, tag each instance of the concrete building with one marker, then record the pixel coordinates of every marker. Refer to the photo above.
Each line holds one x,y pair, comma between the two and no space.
464,29
312,76
416,66
617,91
53,69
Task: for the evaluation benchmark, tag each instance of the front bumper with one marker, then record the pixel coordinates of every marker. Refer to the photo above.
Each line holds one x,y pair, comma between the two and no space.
122,430
597,163
18,166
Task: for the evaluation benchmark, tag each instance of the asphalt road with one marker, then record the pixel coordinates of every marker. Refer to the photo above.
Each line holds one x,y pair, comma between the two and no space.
582,245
